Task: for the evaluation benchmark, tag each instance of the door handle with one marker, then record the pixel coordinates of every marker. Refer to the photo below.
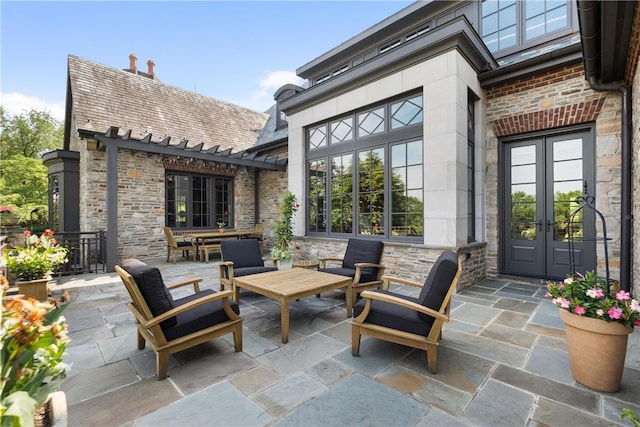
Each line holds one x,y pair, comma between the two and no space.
539,223
550,225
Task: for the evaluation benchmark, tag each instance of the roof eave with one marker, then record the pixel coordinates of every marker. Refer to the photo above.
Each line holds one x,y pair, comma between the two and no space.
553,59
456,34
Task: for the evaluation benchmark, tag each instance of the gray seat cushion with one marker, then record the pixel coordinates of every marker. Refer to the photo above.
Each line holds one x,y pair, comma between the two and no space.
198,318
394,316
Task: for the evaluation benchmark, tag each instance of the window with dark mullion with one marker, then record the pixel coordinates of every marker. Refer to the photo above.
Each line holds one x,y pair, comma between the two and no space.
368,181
198,201
510,23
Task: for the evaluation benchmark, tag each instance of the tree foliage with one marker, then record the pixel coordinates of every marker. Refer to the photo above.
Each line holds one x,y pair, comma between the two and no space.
29,134
23,176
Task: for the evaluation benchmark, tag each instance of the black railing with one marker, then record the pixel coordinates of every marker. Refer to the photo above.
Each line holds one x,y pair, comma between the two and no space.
86,254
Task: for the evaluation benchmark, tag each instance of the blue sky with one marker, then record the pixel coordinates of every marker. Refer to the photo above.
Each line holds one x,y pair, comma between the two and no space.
235,51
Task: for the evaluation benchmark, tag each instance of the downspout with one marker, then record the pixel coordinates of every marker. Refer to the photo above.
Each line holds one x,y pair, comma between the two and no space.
589,15
625,185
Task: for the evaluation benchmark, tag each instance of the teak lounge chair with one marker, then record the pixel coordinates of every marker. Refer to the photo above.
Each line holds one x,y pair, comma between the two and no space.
173,325
241,257
362,262
414,322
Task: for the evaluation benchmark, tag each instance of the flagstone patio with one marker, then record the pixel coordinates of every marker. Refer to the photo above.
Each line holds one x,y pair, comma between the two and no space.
502,362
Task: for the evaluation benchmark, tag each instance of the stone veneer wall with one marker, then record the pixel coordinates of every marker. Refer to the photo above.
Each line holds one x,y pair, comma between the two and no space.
93,184
403,260
141,205
272,187
555,98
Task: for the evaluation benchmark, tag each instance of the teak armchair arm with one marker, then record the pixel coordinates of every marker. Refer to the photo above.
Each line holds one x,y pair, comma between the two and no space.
195,281
192,304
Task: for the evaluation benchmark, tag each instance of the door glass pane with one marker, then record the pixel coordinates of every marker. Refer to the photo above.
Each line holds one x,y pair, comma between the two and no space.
523,174
567,185
523,193
524,155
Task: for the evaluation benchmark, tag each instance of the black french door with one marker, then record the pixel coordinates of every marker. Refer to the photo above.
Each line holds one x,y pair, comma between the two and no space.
541,178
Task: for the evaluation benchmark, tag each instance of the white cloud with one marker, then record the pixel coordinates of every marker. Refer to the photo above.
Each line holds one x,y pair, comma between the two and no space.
16,103
262,98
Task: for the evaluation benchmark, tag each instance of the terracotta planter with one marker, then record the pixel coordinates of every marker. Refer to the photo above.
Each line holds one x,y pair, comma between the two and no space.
54,410
37,289
597,350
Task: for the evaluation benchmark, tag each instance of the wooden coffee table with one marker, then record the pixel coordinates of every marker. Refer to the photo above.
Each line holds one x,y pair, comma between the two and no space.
291,284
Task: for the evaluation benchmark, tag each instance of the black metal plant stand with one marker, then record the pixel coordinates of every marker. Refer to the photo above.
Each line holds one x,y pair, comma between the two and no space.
585,201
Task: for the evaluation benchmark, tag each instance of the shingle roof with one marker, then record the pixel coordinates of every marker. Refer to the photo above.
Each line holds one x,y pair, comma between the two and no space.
103,96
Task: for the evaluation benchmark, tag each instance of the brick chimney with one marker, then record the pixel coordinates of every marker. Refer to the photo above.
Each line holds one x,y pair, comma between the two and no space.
151,64
133,66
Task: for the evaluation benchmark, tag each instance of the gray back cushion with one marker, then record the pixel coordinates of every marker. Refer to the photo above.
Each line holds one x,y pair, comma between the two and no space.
361,250
152,288
243,252
438,282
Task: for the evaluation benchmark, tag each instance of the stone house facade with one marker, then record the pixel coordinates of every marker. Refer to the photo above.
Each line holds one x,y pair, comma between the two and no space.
433,77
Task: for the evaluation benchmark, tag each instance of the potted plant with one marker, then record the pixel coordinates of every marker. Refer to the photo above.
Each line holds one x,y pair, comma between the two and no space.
221,225
597,325
34,340
284,227
34,263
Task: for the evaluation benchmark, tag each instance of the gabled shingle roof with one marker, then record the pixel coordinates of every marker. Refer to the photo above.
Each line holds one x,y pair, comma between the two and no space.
103,96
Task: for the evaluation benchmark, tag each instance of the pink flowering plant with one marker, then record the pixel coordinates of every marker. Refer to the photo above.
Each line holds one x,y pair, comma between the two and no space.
588,295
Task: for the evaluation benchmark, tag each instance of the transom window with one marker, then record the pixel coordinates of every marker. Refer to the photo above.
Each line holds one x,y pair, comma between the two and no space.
509,23
368,182
198,201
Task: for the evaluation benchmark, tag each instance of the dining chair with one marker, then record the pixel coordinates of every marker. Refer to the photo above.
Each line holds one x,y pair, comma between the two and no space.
402,319
170,325
177,245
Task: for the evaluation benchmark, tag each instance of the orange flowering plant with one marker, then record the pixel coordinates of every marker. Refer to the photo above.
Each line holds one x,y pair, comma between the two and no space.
34,338
38,258
588,295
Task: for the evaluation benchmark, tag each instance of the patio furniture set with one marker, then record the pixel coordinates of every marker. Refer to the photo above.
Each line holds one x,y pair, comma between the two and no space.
202,243
170,325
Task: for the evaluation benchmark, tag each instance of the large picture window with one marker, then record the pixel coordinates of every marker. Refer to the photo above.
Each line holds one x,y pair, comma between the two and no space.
198,201
368,183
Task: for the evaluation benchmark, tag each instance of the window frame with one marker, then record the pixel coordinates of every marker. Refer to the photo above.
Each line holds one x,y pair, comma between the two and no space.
215,207
520,22
358,143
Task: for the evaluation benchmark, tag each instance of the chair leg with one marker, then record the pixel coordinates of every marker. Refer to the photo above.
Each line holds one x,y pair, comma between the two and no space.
355,340
141,341
237,337
432,359
168,253
162,364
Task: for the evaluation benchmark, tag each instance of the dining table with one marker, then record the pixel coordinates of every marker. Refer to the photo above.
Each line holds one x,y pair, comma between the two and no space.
200,237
